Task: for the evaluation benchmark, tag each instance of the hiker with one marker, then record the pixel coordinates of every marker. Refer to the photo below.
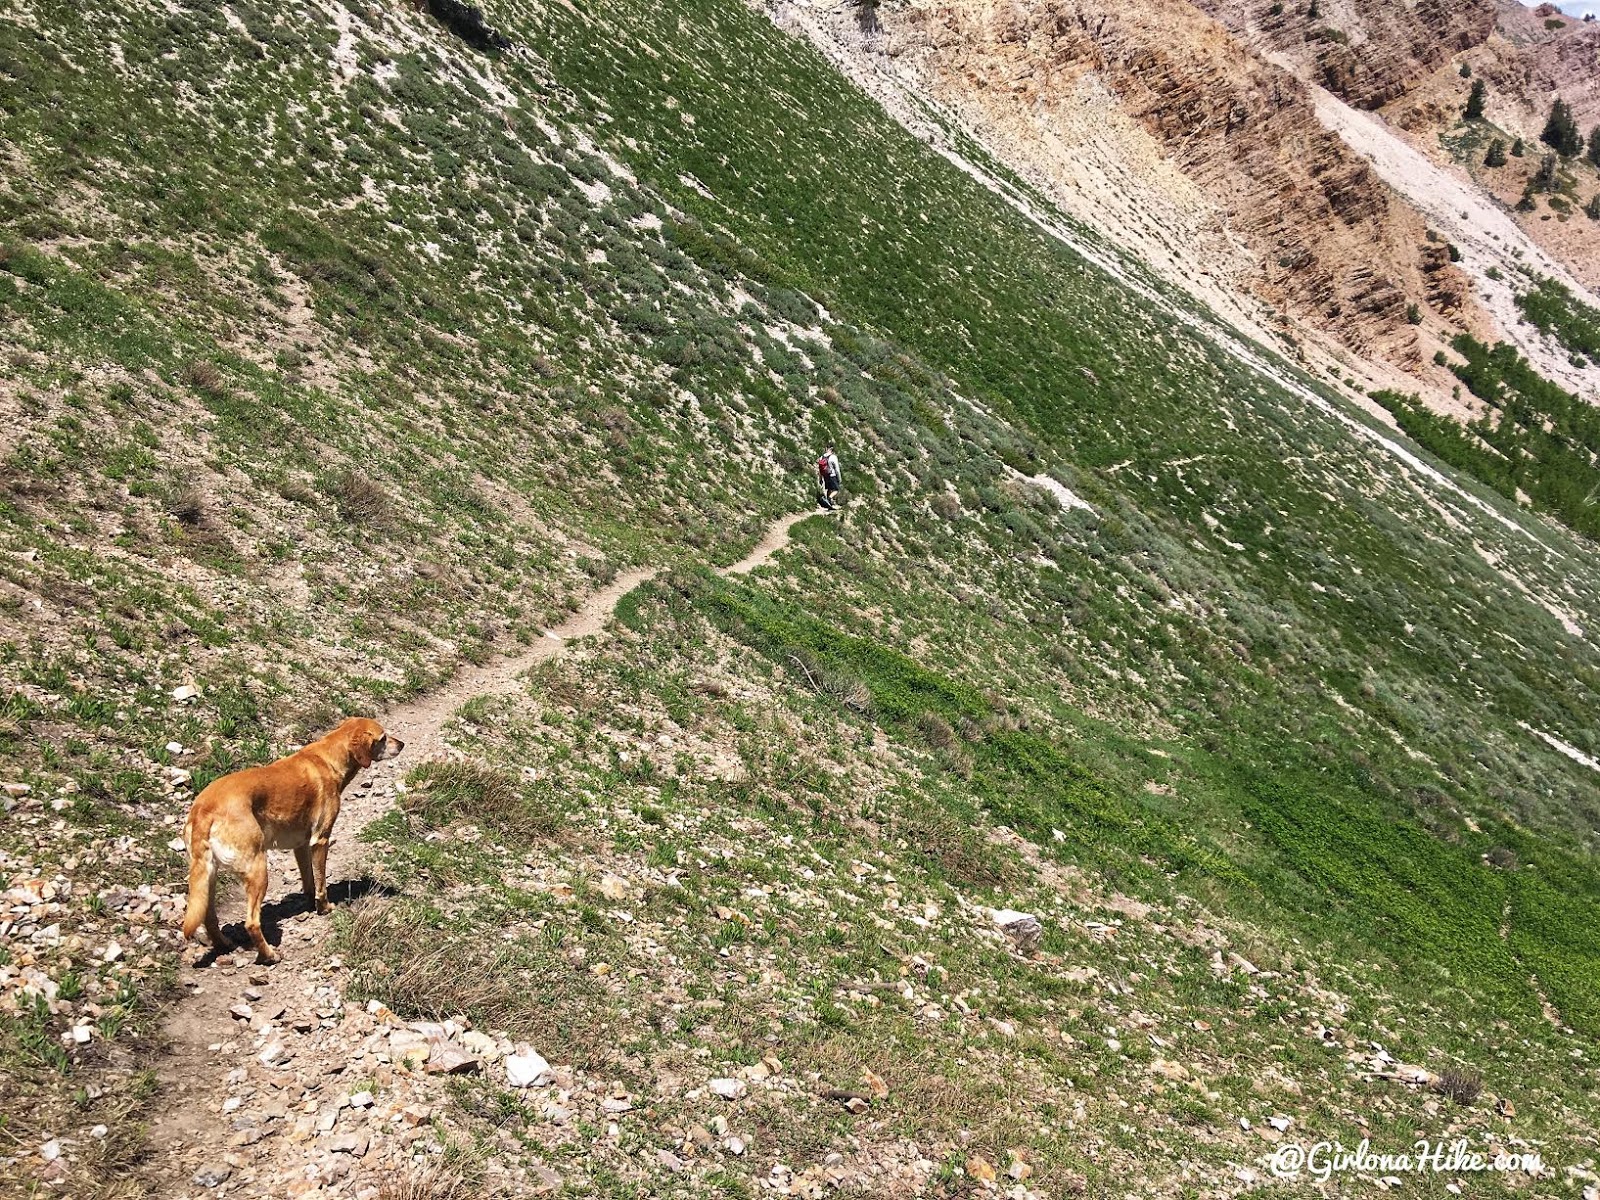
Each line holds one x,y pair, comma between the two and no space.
828,473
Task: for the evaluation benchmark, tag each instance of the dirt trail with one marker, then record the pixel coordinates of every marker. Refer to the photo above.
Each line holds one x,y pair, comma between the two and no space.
213,1052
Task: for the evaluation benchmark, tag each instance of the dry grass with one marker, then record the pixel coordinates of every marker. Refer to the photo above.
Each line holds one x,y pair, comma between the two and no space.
203,377
1460,1085
494,799
399,953
429,1184
950,846
360,500
188,508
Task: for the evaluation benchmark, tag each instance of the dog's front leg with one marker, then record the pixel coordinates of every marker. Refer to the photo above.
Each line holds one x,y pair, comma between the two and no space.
318,852
308,877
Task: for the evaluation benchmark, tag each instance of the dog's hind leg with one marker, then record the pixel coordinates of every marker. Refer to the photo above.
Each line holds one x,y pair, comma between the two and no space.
201,908
255,891
219,940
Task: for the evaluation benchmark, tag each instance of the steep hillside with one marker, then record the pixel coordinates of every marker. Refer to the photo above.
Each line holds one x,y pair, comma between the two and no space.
1228,158
1367,52
351,350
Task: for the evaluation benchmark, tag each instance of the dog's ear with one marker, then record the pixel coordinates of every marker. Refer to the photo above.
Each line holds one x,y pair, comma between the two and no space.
361,742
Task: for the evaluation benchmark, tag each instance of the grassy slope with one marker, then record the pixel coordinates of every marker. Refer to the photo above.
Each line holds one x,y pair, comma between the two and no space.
307,447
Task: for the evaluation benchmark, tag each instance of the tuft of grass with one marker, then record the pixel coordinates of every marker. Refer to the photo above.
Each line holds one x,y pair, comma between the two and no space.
360,500
429,1184
1460,1085
444,792
396,954
188,508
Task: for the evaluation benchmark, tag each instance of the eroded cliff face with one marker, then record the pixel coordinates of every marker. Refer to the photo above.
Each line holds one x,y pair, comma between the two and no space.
1331,244
1367,52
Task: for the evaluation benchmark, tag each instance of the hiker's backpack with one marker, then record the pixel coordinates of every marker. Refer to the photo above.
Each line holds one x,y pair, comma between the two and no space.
823,468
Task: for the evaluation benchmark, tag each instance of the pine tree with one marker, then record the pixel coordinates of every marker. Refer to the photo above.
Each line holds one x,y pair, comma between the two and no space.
1496,157
1516,148
1544,180
1474,108
1594,146
1592,209
1466,70
1561,131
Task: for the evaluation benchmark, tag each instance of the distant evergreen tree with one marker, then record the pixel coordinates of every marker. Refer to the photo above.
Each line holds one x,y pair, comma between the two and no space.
867,14
1561,131
1474,108
1593,152
1496,157
1516,148
1314,11
1466,70
1544,179
1592,209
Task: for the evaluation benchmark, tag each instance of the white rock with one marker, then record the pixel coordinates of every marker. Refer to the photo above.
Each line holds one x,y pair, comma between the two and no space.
272,1054
1022,928
361,1100
187,691
728,1089
528,1069
174,747
735,1145
51,1150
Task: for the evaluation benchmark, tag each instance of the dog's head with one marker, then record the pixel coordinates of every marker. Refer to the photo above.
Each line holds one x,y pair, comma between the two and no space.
367,741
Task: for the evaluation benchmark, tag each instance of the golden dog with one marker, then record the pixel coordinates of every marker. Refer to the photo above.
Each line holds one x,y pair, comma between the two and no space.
287,805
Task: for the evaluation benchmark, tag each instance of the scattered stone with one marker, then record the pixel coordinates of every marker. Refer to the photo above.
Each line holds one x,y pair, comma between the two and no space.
449,1059
1168,1069
361,1099
481,1044
212,1175
528,1069
242,1012
185,692
273,1054
856,1105
614,887
980,1168
670,1161
876,1084
16,789
1019,1170
350,1143
1022,928
728,1089
735,1146
416,1114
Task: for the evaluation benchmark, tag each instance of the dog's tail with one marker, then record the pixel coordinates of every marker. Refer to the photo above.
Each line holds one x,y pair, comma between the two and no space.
202,874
